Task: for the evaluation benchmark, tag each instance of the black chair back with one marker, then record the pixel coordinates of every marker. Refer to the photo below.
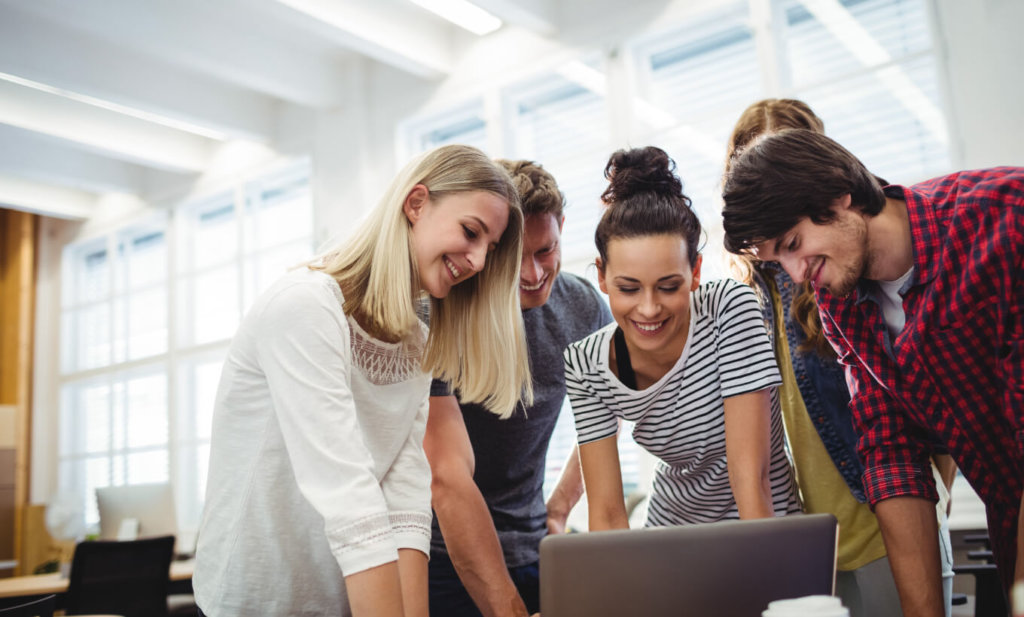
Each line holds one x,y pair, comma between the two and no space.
128,578
40,607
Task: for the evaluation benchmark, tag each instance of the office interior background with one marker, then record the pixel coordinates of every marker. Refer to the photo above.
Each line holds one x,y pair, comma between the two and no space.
177,157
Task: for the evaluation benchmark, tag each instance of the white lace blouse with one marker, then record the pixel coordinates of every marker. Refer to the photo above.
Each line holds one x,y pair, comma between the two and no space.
317,468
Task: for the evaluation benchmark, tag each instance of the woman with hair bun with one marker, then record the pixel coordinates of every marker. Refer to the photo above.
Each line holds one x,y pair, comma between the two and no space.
689,364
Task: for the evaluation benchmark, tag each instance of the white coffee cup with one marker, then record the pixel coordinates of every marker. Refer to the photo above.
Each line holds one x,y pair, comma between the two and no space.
808,606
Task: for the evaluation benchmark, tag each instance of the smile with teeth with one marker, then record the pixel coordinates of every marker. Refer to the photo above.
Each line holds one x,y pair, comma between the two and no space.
649,326
455,272
526,287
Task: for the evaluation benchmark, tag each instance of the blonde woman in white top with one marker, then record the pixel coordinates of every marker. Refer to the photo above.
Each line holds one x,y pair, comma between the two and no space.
318,498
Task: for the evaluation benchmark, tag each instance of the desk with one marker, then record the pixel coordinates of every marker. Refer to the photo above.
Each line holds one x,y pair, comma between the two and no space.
45,584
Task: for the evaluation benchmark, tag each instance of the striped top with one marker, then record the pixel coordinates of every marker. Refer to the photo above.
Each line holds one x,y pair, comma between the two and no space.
680,419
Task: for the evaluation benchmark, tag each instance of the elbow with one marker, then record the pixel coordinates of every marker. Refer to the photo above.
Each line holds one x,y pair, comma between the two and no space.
446,484
753,495
608,516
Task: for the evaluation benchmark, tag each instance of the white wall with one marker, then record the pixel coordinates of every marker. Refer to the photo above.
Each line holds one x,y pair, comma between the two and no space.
984,51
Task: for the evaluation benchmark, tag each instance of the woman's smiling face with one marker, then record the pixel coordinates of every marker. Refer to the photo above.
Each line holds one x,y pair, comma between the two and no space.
452,234
648,280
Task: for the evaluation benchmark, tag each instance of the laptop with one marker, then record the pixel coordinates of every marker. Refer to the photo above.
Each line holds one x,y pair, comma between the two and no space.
725,569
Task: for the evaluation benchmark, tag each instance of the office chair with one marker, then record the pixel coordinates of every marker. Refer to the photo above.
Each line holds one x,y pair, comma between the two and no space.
128,578
989,598
40,607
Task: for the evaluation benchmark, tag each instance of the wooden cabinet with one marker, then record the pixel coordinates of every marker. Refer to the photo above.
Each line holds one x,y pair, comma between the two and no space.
17,309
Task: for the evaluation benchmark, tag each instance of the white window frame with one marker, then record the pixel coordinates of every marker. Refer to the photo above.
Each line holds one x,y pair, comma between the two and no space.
186,450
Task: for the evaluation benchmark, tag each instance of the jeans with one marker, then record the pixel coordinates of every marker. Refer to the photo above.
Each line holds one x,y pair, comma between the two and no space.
449,598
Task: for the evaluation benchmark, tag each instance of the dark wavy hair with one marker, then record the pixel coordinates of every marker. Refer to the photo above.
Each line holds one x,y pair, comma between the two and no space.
782,178
645,198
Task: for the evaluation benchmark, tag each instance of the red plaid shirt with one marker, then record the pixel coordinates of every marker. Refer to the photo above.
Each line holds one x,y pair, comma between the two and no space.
955,374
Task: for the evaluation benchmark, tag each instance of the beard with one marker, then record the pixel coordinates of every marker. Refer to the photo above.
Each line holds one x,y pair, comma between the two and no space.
857,249
848,278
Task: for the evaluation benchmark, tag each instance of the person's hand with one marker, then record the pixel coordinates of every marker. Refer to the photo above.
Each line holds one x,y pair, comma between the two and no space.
556,523
535,615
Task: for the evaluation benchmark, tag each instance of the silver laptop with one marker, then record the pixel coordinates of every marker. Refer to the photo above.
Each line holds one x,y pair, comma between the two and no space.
726,569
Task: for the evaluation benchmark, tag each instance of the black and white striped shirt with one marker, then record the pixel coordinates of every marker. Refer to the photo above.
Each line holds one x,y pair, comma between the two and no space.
680,419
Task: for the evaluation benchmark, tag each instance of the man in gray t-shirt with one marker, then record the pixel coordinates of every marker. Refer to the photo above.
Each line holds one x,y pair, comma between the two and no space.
488,473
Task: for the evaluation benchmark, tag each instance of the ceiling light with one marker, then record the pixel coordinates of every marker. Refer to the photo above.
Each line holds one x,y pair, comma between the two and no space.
463,14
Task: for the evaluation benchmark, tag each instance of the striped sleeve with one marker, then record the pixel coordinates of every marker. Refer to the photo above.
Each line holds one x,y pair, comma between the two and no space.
745,357
594,420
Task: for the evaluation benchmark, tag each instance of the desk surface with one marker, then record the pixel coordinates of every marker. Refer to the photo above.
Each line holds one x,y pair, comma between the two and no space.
41,584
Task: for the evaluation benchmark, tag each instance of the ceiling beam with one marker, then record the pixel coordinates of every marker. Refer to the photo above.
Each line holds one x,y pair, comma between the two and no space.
420,44
115,134
28,196
33,156
35,49
534,15
222,40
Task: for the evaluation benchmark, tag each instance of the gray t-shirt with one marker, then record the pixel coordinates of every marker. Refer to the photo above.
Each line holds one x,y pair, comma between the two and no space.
510,454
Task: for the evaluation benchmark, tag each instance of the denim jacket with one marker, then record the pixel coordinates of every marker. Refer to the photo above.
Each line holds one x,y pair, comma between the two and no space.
821,381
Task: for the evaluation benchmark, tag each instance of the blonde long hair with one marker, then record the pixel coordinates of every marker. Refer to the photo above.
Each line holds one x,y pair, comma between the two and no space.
767,116
476,339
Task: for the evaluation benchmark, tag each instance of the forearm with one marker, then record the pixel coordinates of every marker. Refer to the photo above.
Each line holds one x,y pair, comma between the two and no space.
376,592
1017,595
910,533
747,451
602,517
753,495
412,572
1019,570
475,551
947,470
602,477
566,494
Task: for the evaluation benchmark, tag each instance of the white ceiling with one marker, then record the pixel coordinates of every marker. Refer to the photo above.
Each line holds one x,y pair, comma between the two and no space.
101,96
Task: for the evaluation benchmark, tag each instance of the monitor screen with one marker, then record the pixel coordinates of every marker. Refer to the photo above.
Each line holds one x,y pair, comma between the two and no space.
136,511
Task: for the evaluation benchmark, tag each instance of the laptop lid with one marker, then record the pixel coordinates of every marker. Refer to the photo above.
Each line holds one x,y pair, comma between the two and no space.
725,569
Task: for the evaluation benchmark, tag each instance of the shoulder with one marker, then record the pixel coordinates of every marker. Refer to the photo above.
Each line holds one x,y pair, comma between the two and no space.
972,189
301,293
585,354
573,296
575,289
723,297
302,309
990,179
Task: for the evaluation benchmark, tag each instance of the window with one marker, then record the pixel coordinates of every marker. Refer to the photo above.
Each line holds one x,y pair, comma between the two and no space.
116,298
868,67
698,79
140,364
464,124
560,120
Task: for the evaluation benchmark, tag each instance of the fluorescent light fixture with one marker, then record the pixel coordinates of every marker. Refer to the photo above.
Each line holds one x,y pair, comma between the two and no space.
121,109
463,14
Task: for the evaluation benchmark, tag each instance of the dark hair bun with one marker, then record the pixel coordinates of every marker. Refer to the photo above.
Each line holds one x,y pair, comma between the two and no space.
640,170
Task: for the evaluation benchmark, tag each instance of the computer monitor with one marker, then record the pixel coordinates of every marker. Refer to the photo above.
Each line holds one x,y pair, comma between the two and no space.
136,511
